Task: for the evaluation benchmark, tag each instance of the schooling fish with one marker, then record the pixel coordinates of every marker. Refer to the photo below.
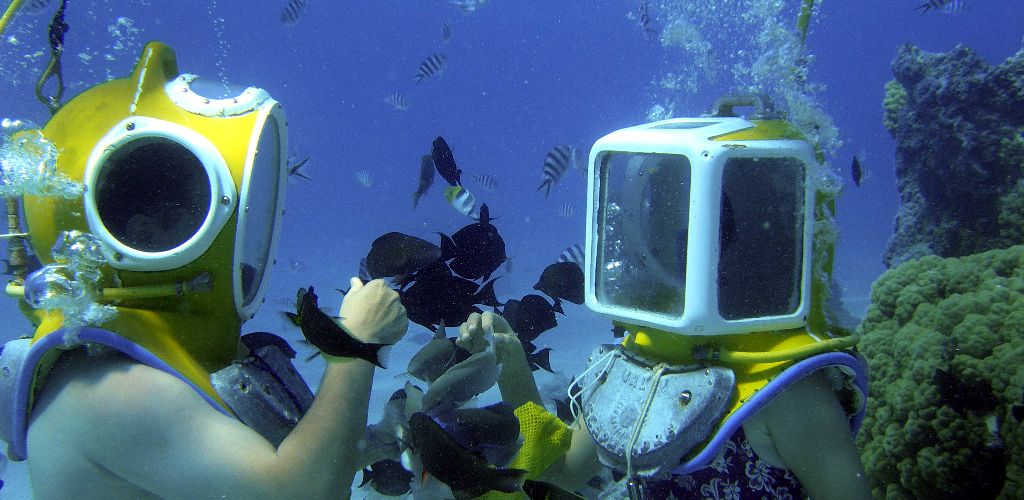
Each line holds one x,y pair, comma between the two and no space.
531,316
446,32
856,171
947,6
485,181
363,178
444,161
436,295
556,162
469,6
292,12
426,178
540,360
573,253
293,170
431,66
328,336
491,431
476,250
387,477
397,101
562,280
644,19
462,201
466,474
461,382
400,255
436,357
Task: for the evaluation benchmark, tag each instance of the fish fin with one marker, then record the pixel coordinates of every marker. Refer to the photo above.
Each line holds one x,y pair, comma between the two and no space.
448,248
381,356
509,480
558,306
547,184
343,291
486,295
294,318
542,359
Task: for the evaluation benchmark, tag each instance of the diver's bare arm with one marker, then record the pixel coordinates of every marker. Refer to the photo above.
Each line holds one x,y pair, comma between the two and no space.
328,438
579,464
811,433
516,381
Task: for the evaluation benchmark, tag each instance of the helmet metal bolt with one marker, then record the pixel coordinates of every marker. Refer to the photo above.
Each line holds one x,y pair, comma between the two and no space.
130,126
684,398
224,200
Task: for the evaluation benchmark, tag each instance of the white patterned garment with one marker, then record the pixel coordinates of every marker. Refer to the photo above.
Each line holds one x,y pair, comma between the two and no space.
735,474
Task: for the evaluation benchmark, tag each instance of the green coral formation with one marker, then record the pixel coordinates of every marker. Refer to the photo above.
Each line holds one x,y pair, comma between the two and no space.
894,102
943,339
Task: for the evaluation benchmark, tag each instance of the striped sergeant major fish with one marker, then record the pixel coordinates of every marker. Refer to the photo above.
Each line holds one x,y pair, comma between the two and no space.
469,6
572,254
433,65
557,161
292,12
35,7
462,201
486,181
945,6
397,101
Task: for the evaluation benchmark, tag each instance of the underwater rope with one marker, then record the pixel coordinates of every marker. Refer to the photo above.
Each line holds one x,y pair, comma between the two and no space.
58,28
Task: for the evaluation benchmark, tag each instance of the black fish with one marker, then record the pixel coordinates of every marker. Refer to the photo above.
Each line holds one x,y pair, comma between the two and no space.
562,280
476,250
400,255
856,171
538,490
444,161
562,409
540,360
466,474
255,340
387,477
294,169
328,336
426,178
478,428
436,295
530,317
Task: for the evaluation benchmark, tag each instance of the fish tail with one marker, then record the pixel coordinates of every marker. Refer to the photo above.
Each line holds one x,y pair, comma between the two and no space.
508,480
378,354
486,295
447,247
545,184
415,199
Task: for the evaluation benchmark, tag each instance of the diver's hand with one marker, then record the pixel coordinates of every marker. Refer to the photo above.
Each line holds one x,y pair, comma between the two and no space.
509,350
373,313
471,334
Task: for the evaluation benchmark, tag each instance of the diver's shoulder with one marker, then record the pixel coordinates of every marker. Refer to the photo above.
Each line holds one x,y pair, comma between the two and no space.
101,380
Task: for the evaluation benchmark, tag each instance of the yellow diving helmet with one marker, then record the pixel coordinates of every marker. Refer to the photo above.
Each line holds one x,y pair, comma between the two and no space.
183,193
710,241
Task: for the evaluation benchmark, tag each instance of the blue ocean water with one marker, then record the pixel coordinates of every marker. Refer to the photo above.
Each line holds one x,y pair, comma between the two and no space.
521,77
